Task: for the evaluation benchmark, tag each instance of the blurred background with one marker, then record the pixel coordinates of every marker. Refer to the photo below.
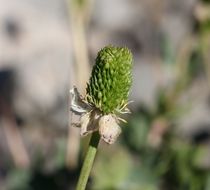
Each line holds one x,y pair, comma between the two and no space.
48,46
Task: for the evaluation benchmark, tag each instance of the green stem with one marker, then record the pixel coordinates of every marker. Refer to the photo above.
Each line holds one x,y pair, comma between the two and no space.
88,162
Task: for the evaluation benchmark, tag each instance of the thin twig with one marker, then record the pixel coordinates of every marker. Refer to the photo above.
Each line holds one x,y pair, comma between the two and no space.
81,72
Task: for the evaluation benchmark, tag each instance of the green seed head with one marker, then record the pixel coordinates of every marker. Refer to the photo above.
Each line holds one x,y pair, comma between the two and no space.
110,80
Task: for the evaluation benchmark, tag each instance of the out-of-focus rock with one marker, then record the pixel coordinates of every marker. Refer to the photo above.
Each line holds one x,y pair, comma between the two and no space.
143,26
196,118
36,45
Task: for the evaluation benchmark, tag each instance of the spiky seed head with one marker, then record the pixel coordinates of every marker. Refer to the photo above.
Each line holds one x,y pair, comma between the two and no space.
110,81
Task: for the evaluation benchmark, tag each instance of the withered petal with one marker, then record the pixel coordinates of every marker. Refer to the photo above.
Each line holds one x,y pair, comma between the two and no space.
109,129
78,105
89,122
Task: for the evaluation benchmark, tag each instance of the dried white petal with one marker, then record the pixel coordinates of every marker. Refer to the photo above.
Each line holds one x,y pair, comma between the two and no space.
89,122
75,119
85,119
78,105
109,128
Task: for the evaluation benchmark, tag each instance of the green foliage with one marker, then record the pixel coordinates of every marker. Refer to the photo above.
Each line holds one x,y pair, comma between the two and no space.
18,180
112,174
184,171
206,1
136,132
110,80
